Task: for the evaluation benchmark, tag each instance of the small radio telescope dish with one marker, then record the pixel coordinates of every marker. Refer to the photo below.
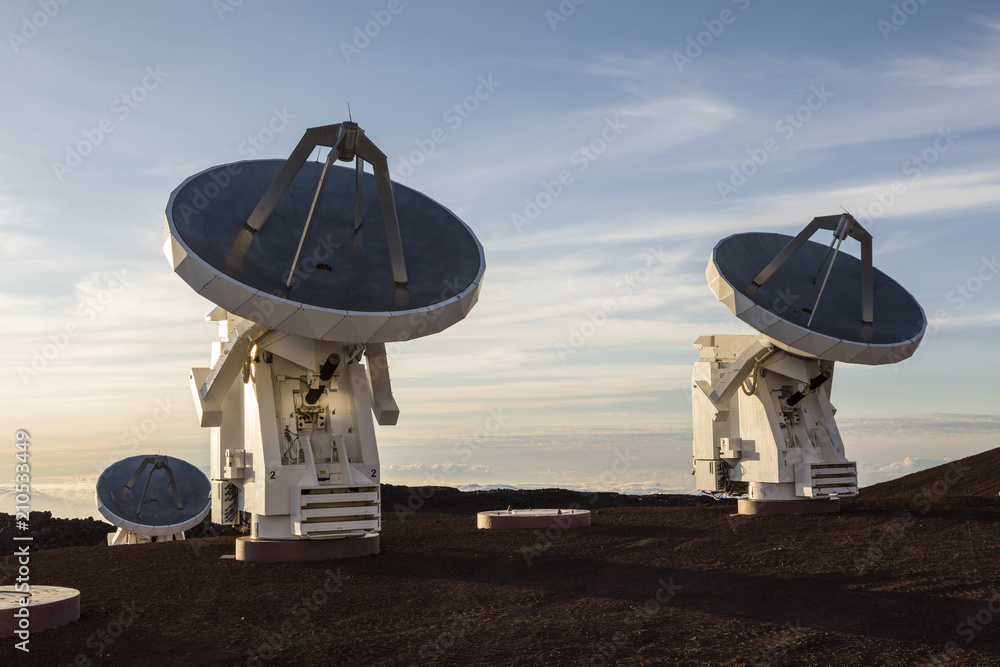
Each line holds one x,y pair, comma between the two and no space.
152,498
812,300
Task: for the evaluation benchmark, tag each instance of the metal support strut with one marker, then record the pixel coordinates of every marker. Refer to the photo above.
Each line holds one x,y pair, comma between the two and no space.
842,226
158,463
347,142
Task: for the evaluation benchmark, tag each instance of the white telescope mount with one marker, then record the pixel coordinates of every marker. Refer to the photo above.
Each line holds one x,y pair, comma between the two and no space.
764,426
293,448
305,262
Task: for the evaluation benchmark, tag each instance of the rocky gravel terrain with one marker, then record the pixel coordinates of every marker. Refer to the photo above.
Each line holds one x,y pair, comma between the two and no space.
907,574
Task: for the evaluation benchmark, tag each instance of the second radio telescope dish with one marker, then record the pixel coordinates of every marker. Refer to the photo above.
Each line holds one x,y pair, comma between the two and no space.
330,263
810,300
153,496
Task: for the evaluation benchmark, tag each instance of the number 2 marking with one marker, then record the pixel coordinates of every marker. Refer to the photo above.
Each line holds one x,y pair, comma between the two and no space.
373,472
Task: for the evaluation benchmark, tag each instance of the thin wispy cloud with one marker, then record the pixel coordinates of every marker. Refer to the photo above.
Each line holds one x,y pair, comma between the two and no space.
595,286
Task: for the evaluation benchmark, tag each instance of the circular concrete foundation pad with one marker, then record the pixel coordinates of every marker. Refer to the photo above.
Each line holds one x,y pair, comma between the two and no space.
48,607
563,519
297,551
761,507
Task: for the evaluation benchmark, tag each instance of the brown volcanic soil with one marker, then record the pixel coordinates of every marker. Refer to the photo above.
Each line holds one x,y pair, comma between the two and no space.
889,580
975,475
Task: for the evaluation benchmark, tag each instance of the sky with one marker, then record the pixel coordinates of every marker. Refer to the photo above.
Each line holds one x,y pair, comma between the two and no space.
598,150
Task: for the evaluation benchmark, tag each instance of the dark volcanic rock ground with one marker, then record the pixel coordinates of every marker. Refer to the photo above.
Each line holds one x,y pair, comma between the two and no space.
50,532
398,503
890,580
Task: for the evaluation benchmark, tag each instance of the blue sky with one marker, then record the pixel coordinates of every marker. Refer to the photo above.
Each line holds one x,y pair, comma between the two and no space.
599,151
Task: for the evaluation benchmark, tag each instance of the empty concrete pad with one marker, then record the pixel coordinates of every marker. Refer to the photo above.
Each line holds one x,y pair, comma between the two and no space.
545,518
48,607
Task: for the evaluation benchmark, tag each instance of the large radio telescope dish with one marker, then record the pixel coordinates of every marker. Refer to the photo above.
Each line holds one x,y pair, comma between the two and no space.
153,496
331,262
810,300
314,268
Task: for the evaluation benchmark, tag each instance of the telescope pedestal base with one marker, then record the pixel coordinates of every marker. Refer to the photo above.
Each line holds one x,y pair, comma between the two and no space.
122,536
762,507
255,550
